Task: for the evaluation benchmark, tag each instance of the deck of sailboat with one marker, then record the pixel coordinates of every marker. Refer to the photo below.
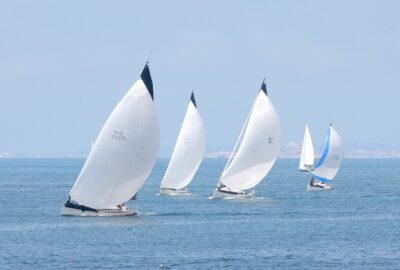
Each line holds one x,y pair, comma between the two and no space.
318,186
231,194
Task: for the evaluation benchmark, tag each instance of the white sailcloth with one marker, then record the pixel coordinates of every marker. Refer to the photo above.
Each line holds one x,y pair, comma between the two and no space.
307,152
258,146
124,152
329,163
188,152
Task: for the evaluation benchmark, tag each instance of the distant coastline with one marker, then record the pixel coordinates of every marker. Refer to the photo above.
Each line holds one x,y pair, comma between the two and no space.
290,151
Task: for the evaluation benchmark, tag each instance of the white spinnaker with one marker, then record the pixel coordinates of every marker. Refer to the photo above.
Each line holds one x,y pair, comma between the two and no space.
328,166
259,147
123,155
188,152
307,152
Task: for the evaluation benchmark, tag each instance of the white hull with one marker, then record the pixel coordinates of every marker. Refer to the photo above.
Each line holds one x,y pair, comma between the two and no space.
318,186
67,211
173,192
218,194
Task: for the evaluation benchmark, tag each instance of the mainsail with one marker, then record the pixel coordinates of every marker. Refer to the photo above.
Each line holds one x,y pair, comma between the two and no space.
329,163
124,152
189,150
307,152
258,146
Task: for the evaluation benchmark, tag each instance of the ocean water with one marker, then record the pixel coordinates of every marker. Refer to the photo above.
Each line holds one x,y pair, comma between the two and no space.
354,226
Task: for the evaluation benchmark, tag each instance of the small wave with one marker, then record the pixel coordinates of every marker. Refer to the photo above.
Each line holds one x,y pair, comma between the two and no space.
143,214
187,214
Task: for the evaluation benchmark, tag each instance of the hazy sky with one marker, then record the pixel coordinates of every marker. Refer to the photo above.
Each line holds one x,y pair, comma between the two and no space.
64,65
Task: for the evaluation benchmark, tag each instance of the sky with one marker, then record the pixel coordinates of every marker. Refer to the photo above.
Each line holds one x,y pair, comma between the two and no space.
64,65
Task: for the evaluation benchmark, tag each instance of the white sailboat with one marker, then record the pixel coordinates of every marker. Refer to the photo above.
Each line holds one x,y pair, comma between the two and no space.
121,158
328,165
255,152
307,153
188,153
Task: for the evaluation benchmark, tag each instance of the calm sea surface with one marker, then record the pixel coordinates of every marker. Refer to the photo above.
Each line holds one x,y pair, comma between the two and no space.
354,226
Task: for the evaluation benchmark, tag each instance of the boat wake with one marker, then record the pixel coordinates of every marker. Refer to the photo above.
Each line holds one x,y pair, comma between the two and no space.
143,214
241,199
186,194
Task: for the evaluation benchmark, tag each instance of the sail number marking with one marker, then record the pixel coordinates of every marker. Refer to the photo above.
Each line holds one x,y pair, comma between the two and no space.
118,135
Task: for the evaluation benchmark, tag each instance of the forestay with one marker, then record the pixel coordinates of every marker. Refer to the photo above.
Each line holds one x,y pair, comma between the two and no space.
328,166
258,146
188,152
307,152
124,152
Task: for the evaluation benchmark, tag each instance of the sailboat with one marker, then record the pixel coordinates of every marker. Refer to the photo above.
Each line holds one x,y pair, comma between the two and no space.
255,152
122,156
328,165
188,153
307,153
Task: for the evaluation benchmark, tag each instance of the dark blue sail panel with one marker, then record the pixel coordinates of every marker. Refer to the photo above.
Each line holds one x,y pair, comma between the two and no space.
193,100
264,87
146,78
83,208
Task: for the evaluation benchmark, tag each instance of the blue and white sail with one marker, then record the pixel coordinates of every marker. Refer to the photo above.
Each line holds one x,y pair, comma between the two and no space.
329,163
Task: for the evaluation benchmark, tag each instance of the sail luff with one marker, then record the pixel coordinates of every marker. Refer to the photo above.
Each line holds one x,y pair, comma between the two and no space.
309,154
302,156
239,140
243,130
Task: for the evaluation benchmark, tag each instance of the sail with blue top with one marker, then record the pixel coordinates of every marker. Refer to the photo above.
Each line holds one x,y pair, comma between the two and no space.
329,163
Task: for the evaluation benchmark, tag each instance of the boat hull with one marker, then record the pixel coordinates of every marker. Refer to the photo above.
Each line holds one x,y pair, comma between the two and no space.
173,192
219,194
318,186
68,211
303,170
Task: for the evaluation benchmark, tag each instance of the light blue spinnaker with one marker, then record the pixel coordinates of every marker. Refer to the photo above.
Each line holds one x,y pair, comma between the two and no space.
329,163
